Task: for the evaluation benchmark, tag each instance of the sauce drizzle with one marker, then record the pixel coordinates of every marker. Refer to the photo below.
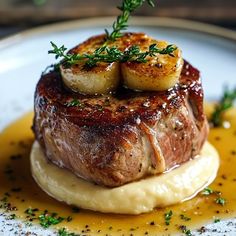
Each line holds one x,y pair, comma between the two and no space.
19,192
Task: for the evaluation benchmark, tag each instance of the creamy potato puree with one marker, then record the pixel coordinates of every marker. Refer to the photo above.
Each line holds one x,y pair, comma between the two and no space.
138,197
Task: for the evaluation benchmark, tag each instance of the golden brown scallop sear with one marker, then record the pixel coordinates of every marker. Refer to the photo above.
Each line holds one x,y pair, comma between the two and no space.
118,138
160,72
102,79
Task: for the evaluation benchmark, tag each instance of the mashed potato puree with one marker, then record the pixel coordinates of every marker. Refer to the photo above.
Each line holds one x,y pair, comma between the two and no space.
137,197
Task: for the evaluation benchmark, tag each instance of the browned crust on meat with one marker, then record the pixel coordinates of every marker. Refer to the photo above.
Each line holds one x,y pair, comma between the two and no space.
103,139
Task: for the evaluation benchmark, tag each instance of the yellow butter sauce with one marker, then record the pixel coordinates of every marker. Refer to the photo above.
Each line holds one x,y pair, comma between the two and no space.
19,189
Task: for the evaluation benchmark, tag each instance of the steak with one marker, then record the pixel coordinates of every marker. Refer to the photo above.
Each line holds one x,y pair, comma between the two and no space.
118,138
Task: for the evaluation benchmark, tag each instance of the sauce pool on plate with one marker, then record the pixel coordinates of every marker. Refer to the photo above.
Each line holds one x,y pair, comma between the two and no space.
20,197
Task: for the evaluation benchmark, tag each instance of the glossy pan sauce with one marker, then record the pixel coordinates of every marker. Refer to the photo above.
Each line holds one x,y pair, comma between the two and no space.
19,192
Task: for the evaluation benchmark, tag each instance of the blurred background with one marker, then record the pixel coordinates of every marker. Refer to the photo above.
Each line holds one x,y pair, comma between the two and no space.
17,15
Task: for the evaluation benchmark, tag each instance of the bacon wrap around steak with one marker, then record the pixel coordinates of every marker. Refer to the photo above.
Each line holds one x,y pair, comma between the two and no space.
119,138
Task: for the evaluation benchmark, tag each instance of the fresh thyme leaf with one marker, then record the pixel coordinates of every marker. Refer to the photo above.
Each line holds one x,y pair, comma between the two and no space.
31,211
216,220
226,102
168,216
207,191
46,220
184,230
59,52
128,6
64,232
75,103
109,54
221,201
113,54
12,217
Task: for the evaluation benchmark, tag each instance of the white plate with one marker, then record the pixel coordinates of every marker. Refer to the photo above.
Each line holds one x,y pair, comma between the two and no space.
24,56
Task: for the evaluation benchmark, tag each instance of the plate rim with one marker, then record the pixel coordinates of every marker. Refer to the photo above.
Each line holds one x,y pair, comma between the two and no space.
166,22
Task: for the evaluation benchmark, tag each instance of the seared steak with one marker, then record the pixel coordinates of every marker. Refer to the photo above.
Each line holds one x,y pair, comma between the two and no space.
118,138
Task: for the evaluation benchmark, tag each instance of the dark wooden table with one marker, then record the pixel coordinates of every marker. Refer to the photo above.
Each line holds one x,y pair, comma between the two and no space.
16,15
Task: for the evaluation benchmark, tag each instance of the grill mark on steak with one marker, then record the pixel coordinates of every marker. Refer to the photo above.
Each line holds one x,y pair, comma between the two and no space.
109,146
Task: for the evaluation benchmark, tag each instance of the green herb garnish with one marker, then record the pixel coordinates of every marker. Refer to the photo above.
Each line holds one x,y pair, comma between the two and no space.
109,54
221,201
75,103
207,191
12,217
64,232
31,211
113,54
184,230
46,220
128,6
216,220
168,216
226,102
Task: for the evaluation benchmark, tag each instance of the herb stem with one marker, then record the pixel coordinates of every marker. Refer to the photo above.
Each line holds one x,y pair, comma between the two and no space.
109,54
226,102
113,54
128,6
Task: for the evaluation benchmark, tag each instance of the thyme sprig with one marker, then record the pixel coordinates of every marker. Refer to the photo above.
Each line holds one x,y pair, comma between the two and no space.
226,102
128,6
109,54
113,54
